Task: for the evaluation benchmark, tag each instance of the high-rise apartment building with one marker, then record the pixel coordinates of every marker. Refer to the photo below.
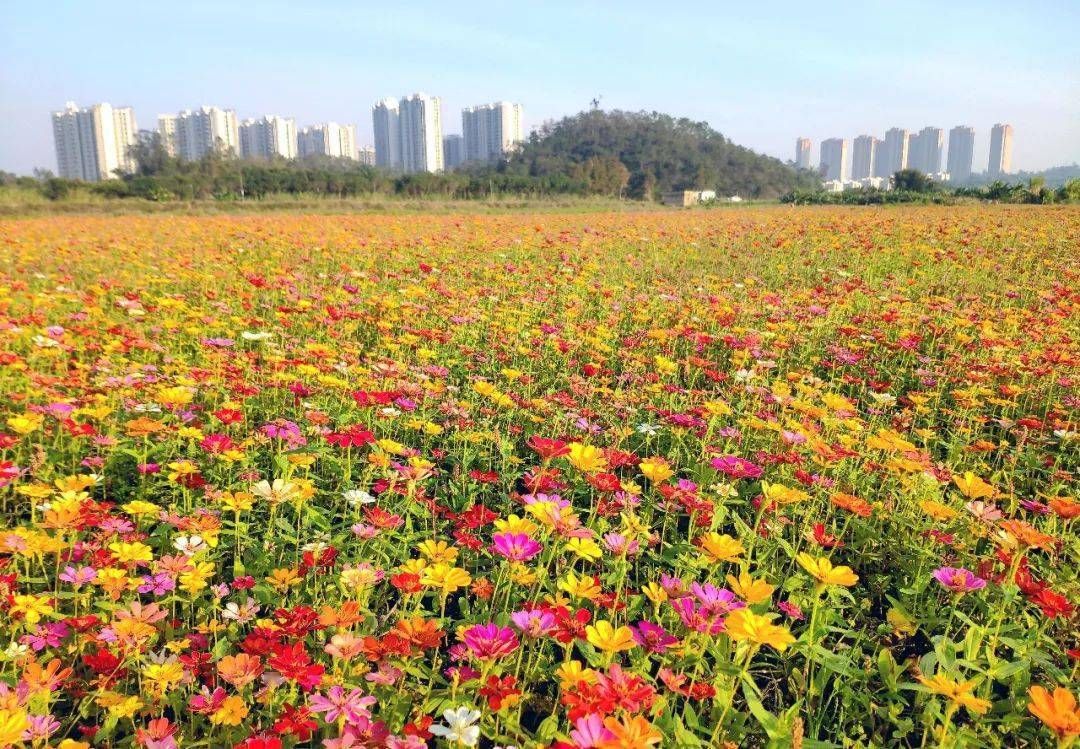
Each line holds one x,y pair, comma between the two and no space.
1001,138
924,152
167,133
93,143
491,131
961,149
897,151
386,119
864,156
331,139
453,147
197,133
802,152
268,137
420,125
834,159
366,155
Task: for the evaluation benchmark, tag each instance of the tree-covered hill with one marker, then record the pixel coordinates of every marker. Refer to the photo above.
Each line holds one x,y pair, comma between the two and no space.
659,151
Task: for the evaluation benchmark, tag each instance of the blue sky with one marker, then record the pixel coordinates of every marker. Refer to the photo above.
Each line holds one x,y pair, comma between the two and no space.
762,73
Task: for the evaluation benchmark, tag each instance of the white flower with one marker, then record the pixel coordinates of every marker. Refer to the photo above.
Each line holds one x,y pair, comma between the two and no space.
189,545
276,493
45,342
459,726
358,497
247,335
649,429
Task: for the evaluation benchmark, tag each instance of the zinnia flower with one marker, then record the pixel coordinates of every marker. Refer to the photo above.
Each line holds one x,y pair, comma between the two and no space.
958,580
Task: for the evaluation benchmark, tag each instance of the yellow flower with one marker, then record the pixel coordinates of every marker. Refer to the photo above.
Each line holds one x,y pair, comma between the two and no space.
133,552
655,592
587,458
936,510
32,608
237,502
750,590
720,548
571,673
1059,711
12,725
124,707
25,423
444,577
959,692
175,396
196,579
973,487
585,548
138,508
438,551
656,469
603,636
744,624
824,572
515,524
579,587
164,675
231,713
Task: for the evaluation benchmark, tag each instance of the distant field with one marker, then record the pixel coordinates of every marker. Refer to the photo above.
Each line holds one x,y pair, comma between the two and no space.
558,475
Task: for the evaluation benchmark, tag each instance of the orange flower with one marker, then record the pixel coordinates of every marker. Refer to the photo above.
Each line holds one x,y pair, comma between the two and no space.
46,679
143,427
1058,711
240,669
860,507
632,732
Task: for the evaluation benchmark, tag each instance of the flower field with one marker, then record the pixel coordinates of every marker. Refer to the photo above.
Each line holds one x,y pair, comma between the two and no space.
747,478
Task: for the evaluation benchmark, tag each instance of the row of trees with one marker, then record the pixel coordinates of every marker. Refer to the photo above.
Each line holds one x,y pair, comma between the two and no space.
912,186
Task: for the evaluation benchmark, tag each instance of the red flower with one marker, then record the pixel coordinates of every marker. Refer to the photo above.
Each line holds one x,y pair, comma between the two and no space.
548,448
406,582
259,741
294,663
295,721
570,627
1052,604
499,690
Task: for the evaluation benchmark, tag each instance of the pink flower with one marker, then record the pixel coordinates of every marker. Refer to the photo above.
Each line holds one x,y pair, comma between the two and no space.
517,547
652,637
490,641
589,731
337,703
958,580
535,623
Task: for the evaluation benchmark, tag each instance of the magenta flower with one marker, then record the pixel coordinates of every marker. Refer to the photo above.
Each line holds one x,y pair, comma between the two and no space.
517,547
958,580
652,637
791,610
490,641
696,618
736,467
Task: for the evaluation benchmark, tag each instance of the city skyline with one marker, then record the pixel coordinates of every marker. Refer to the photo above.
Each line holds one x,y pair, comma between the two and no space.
328,63
928,151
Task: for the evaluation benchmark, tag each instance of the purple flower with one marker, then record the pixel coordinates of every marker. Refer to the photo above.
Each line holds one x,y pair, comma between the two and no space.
535,623
652,637
78,576
958,580
490,641
736,467
517,547
158,584
696,618
715,601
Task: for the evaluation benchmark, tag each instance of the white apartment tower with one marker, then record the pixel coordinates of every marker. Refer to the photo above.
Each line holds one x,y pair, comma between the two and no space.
802,152
1001,138
925,149
166,124
92,143
366,155
197,133
491,131
864,156
331,139
961,149
897,150
386,120
268,137
834,159
420,127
